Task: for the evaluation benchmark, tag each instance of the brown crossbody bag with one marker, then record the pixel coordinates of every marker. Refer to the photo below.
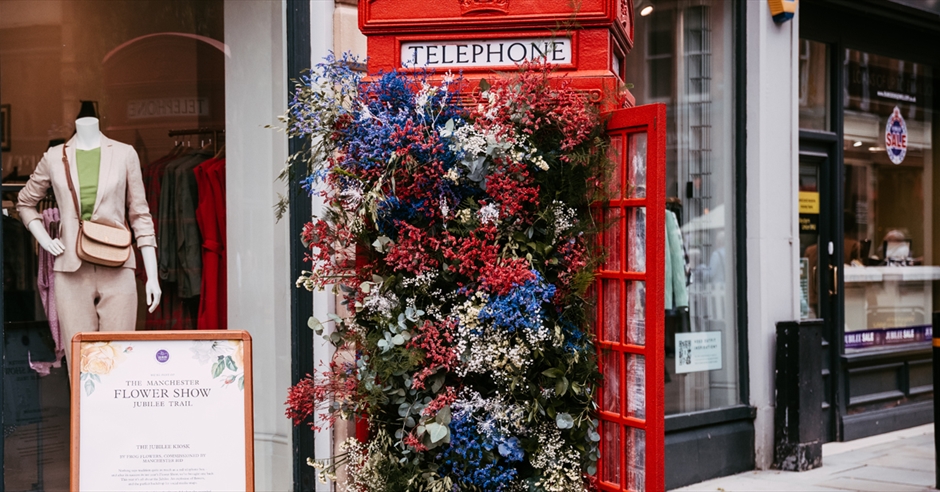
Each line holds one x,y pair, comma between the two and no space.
98,243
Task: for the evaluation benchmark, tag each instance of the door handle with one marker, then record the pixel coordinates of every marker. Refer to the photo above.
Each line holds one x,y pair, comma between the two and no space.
834,290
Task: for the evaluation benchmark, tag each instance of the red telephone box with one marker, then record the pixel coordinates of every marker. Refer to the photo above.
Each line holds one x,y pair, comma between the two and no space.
588,45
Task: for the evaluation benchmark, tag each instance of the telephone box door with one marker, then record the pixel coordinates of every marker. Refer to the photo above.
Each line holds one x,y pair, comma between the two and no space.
631,298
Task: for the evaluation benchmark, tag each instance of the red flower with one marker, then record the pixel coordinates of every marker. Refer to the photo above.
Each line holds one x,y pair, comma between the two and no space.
437,342
413,252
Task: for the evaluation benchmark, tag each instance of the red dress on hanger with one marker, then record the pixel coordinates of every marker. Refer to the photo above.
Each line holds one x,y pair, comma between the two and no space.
210,212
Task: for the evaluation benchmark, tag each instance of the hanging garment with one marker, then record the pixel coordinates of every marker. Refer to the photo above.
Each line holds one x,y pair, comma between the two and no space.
677,292
188,238
179,240
173,313
212,303
46,284
151,175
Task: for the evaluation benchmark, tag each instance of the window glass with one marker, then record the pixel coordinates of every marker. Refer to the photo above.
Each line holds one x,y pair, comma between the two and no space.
153,74
684,58
891,263
814,85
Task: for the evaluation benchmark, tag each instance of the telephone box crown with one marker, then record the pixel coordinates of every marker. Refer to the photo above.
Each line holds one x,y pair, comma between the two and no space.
471,6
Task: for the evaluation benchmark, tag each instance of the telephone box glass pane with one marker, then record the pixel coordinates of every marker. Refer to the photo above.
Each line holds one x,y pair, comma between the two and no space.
615,182
636,386
611,368
636,239
636,312
610,469
636,166
612,302
635,450
613,239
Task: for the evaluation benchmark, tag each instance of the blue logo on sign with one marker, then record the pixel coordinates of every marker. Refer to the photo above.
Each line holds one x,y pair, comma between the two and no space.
162,356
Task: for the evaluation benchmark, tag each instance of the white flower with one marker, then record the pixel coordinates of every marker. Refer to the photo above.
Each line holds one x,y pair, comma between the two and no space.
423,95
564,217
489,214
540,163
445,208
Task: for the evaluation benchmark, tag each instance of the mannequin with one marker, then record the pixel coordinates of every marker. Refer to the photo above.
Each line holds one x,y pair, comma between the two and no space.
92,297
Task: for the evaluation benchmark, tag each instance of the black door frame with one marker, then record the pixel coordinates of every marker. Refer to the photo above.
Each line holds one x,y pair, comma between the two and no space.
822,149
895,31
301,208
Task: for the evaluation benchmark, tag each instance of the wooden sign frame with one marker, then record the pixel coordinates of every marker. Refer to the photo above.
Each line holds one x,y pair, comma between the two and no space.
156,336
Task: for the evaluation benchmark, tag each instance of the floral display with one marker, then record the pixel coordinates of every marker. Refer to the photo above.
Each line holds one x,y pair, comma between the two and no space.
458,233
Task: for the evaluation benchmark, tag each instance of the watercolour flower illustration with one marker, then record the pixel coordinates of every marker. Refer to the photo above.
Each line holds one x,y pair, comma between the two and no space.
99,359
458,234
227,358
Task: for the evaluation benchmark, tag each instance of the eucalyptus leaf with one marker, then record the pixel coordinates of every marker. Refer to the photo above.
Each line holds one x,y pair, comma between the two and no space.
315,325
437,432
564,421
443,416
561,387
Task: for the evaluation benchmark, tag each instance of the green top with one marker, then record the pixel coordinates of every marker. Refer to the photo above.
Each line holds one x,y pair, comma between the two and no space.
88,162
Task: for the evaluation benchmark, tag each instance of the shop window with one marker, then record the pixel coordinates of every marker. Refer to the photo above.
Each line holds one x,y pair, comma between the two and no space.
814,85
684,58
890,252
153,74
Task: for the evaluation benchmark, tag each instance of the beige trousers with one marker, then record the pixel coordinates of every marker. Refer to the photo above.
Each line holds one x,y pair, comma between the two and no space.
95,298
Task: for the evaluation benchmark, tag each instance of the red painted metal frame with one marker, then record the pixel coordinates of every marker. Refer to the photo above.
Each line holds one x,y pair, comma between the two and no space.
600,30
616,421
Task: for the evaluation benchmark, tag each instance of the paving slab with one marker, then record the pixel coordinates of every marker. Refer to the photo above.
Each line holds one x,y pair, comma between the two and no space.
901,461
861,485
914,478
756,484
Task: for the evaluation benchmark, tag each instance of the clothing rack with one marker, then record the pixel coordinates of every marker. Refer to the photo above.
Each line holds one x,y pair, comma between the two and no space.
214,139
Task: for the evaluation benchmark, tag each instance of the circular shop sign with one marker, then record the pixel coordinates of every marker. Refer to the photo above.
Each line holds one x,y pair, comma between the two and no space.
896,137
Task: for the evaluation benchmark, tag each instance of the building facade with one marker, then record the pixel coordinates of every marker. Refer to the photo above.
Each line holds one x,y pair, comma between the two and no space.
799,166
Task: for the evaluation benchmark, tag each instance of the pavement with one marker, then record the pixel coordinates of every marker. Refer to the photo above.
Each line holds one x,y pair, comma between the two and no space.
898,461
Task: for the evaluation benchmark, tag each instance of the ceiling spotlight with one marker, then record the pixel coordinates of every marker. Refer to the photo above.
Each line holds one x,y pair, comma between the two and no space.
876,149
645,7
858,143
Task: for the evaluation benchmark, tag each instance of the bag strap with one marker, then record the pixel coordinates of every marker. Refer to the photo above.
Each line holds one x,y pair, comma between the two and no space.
68,177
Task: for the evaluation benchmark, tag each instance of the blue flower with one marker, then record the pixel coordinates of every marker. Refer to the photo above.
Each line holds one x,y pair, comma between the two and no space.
521,308
469,459
511,449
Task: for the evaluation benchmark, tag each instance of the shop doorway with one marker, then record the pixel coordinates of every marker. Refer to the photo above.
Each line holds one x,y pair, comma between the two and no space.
821,253
867,115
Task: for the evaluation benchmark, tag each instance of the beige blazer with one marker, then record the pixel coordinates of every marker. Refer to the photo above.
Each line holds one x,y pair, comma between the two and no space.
120,197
